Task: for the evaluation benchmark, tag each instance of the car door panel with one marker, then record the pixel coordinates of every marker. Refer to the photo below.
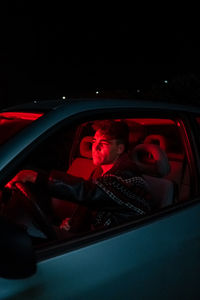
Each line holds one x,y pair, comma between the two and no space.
154,261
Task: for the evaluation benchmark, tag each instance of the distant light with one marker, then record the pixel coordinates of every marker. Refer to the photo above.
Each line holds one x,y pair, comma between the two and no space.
63,97
35,101
97,92
138,91
166,81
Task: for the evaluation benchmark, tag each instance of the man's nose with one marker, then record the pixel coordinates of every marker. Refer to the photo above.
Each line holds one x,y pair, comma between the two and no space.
96,147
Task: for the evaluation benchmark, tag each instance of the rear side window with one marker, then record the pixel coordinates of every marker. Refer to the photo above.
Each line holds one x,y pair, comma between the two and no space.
13,122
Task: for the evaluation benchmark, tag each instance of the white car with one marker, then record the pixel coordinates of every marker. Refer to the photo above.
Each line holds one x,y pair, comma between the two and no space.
154,257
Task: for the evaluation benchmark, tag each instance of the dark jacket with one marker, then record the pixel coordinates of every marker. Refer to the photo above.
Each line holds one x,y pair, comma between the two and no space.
118,196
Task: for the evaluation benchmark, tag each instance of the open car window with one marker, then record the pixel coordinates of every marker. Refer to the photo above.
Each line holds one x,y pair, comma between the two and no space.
69,151
165,133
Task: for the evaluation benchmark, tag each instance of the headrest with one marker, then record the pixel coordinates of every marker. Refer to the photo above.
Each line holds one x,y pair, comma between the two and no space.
156,139
151,160
86,147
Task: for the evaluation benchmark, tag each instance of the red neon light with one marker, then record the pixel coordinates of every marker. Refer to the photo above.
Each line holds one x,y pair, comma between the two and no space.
21,115
154,121
150,121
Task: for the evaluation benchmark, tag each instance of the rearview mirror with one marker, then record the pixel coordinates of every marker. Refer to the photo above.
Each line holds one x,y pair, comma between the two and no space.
17,258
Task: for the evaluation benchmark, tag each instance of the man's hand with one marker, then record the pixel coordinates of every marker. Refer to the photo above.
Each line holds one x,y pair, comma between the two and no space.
22,176
65,224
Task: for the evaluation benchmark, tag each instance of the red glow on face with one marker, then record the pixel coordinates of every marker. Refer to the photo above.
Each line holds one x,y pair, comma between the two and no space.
21,115
104,150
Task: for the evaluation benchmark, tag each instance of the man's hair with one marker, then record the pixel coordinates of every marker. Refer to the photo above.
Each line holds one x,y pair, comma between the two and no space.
116,130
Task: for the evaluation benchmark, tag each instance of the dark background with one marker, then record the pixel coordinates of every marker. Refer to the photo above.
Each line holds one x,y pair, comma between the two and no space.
133,53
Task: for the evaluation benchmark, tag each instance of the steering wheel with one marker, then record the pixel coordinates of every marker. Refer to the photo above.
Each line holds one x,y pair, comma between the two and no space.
32,206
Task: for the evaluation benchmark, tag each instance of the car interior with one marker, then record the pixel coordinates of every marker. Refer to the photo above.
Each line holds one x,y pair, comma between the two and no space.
155,146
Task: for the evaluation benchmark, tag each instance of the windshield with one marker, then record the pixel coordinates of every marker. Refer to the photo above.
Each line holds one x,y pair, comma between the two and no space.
13,122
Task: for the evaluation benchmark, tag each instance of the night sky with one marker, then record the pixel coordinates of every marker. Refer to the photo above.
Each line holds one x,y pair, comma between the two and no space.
48,56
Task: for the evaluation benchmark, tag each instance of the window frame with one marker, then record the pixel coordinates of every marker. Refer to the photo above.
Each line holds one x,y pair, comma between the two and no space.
57,248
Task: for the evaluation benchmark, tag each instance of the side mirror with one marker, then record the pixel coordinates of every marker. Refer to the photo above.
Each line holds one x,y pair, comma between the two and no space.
17,259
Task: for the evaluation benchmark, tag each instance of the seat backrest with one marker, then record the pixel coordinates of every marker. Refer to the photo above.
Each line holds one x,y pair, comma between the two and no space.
156,139
162,190
153,163
178,166
83,166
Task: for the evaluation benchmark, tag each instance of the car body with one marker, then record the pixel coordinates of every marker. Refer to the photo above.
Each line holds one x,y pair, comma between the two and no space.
155,257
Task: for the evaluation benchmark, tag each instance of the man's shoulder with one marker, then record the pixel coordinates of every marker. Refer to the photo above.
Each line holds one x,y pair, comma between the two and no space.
125,167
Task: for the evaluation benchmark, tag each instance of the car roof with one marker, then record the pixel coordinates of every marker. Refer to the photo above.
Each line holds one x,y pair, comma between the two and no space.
49,105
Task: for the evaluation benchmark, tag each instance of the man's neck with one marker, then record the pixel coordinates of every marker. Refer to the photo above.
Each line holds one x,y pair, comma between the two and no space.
106,168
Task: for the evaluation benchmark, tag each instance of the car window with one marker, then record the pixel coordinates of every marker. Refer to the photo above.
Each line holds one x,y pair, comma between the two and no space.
156,150
162,132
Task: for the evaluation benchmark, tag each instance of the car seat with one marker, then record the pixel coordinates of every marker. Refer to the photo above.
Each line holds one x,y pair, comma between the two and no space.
83,166
179,173
156,139
152,161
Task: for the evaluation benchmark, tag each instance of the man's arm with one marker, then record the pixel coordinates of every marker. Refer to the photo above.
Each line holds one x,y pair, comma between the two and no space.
58,184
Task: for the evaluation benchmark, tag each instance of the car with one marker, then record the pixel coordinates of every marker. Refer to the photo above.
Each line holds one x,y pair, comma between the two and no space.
156,256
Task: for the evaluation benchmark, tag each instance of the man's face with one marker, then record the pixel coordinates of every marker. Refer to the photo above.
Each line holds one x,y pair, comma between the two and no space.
104,150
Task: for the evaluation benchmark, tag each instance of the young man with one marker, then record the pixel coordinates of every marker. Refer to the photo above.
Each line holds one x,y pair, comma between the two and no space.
115,192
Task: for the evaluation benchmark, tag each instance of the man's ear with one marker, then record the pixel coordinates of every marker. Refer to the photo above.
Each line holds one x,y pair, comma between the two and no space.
120,148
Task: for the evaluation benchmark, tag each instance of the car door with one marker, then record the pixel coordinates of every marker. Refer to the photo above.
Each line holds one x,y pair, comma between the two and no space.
158,259
153,258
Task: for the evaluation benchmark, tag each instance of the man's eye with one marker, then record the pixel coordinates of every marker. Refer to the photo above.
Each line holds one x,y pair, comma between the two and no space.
105,144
